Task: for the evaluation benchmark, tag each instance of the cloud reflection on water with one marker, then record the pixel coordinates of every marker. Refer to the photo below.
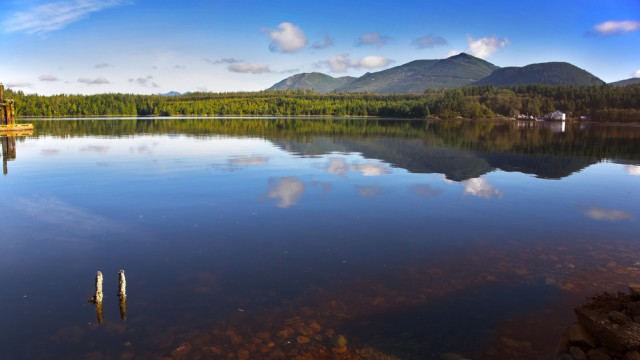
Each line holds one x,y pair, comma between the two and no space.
481,188
340,166
249,160
337,166
424,190
49,152
370,191
632,170
62,215
371,169
95,148
614,215
287,189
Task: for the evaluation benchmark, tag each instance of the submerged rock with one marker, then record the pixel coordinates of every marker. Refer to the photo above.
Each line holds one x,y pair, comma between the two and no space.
607,328
610,333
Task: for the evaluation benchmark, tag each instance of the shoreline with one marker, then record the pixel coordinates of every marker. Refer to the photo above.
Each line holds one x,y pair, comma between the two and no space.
316,117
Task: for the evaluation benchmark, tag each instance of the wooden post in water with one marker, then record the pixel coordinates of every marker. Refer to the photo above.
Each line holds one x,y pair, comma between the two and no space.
11,112
7,109
3,116
122,295
97,299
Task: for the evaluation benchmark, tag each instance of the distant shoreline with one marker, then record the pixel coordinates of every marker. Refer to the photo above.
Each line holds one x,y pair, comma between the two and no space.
318,117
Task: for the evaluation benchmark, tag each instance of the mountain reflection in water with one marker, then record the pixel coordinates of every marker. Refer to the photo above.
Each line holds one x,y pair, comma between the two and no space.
312,238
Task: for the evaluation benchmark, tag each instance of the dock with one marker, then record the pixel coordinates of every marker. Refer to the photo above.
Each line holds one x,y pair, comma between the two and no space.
8,116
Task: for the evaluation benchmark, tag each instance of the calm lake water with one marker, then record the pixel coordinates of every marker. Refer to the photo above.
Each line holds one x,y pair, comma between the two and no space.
322,238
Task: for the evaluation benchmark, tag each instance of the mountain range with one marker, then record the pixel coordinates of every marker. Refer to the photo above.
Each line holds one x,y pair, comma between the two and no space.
456,71
626,82
313,81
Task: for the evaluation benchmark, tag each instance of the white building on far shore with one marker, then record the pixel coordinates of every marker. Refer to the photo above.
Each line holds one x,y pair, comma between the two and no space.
558,115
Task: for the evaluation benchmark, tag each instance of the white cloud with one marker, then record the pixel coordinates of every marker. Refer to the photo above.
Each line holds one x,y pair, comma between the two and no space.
102,66
429,41
608,214
55,15
372,62
48,78
289,38
370,169
375,39
632,169
288,189
485,47
481,188
246,68
223,61
146,81
97,81
339,63
636,74
342,63
453,52
19,84
325,43
617,27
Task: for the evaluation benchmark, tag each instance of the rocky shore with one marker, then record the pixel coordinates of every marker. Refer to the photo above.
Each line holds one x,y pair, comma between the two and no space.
608,328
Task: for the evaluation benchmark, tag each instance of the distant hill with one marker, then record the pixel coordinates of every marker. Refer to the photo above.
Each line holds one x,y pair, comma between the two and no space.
416,76
456,71
312,81
551,73
626,82
171,93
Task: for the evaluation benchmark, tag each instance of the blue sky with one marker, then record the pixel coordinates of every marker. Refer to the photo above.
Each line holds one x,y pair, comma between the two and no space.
155,46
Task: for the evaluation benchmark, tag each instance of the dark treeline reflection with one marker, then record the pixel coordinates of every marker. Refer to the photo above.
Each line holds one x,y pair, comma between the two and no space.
593,141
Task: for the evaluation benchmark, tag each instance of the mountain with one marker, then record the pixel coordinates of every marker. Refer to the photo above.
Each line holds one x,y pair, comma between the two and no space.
312,81
626,82
551,73
416,76
171,93
456,71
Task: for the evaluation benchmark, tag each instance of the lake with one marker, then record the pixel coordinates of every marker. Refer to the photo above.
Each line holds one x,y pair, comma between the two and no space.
311,238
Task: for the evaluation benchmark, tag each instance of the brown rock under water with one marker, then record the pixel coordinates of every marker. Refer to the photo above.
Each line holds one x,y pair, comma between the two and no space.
303,340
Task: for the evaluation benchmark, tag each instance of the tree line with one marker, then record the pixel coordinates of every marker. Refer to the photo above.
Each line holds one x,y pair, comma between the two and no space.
600,103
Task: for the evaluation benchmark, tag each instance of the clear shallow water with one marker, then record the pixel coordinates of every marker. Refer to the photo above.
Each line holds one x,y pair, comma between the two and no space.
239,237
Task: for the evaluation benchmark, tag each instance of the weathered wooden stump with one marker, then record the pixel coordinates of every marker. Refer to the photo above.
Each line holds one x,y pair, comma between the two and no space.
98,298
122,295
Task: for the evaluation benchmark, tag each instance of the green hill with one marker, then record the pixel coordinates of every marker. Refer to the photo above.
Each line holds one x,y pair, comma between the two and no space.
312,81
626,82
416,76
551,73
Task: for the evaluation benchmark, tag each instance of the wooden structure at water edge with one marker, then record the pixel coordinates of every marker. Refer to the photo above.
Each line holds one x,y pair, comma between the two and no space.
8,116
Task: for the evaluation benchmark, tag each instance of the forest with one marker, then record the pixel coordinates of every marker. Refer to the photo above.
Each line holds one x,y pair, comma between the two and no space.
600,103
